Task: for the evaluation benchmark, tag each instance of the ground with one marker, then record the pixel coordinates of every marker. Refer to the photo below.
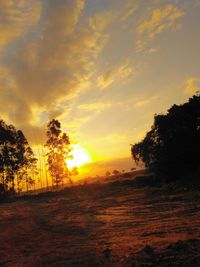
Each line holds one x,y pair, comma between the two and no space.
112,224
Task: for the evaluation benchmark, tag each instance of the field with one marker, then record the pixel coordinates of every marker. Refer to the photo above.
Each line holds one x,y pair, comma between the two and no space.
119,223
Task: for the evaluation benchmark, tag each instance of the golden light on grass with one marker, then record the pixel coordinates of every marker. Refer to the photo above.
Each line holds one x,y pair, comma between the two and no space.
80,157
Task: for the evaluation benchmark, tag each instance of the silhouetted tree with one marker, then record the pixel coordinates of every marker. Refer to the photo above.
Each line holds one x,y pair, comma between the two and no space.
171,148
72,172
108,173
59,147
15,155
115,172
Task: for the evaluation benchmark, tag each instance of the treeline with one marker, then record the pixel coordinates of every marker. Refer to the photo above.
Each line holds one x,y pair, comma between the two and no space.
171,149
17,160
18,164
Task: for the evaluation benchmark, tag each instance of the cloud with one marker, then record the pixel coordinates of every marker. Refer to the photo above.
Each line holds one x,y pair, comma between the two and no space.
81,114
52,61
130,7
117,72
76,122
40,67
159,19
98,106
144,102
16,17
192,85
99,21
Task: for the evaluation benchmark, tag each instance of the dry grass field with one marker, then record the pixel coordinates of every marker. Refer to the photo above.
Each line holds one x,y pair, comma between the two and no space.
118,223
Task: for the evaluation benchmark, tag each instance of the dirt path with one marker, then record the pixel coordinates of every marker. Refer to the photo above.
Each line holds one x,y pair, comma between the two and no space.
105,225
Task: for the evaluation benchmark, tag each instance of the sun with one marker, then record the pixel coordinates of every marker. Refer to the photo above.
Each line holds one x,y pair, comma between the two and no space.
80,157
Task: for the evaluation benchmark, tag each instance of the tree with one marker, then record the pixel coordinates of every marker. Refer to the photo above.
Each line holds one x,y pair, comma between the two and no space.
171,148
108,173
58,144
15,154
115,172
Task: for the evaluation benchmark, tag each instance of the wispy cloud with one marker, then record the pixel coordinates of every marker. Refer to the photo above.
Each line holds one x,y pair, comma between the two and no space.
143,102
159,19
116,73
192,85
96,106
130,7
16,17
99,21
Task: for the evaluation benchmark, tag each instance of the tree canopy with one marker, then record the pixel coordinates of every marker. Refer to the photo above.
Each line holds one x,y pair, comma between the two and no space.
17,160
171,148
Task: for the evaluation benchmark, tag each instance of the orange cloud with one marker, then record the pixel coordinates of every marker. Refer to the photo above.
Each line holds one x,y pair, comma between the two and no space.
130,7
192,85
98,106
118,72
16,17
52,63
144,102
159,20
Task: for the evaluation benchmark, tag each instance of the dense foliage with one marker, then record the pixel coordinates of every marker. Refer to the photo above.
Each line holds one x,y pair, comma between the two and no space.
17,160
172,147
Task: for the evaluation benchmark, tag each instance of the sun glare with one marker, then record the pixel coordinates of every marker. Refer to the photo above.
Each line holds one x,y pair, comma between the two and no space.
80,157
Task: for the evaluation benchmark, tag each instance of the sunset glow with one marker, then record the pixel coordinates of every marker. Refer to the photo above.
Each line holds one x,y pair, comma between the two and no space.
102,68
80,157
100,133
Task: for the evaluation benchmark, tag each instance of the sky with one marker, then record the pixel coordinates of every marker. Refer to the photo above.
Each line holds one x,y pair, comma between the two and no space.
102,68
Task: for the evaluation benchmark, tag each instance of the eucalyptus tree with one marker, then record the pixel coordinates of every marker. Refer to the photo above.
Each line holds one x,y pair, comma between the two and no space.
58,145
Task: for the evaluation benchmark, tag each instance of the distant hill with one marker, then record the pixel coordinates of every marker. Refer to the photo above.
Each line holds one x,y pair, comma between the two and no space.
100,168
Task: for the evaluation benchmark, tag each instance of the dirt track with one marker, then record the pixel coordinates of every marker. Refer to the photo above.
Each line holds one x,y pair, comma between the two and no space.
100,225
